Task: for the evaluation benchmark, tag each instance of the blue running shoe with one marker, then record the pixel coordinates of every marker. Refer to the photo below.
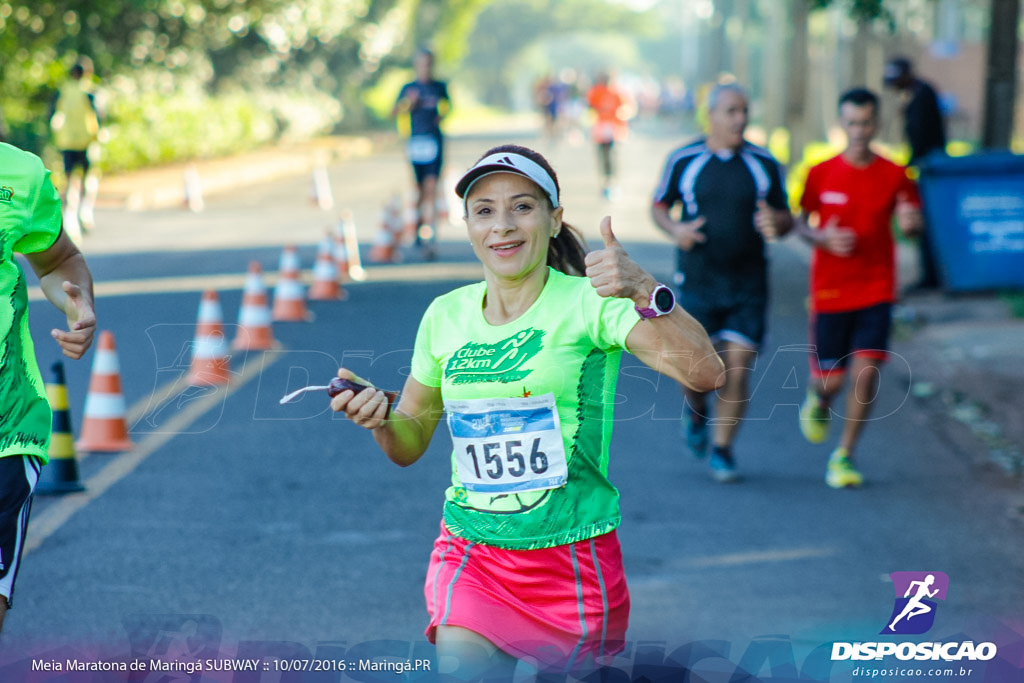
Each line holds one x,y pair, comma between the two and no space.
723,468
695,431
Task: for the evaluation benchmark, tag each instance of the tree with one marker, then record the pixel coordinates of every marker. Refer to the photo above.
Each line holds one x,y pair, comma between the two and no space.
1001,76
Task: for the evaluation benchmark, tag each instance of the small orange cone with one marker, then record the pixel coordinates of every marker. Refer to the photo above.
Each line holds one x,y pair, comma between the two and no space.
410,218
325,275
385,242
340,254
104,429
210,357
254,332
289,297
61,473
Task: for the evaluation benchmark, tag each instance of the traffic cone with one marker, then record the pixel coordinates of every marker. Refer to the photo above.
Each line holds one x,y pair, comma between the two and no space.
321,194
193,189
325,275
346,229
289,297
385,242
410,218
254,332
210,357
104,429
61,474
340,252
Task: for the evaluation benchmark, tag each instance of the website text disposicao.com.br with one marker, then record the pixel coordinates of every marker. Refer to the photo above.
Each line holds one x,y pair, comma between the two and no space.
906,672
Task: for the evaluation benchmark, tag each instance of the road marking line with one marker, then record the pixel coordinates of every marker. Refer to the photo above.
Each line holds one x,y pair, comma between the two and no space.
413,272
54,517
756,557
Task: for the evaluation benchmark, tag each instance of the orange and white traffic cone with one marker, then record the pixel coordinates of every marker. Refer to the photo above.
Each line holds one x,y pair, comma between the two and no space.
210,357
385,241
289,296
104,429
410,218
325,275
254,331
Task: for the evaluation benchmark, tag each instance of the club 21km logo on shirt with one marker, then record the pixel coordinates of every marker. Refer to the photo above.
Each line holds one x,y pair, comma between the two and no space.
499,362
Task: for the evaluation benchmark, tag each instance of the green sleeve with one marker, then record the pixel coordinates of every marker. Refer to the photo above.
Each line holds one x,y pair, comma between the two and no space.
426,367
609,320
43,212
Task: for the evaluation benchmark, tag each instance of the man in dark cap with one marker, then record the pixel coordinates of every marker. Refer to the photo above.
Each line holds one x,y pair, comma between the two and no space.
925,131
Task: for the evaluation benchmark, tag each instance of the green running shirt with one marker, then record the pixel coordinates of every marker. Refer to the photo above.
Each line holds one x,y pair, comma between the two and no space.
568,343
30,221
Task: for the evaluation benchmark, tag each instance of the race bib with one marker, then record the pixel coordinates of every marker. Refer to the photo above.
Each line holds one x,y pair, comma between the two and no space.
507,445
422,149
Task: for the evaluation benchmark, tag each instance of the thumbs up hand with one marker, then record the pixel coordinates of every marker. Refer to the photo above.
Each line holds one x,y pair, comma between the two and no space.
613,273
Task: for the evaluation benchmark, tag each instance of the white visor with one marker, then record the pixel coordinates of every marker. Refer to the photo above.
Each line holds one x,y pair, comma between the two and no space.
508,162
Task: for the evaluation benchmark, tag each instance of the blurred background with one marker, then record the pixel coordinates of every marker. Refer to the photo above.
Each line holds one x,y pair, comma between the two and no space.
186,79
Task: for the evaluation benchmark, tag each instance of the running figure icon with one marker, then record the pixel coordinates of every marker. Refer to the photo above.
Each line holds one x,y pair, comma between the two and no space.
915,607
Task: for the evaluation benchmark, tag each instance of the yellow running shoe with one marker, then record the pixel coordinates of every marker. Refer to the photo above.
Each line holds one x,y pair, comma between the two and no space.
841,472
815,418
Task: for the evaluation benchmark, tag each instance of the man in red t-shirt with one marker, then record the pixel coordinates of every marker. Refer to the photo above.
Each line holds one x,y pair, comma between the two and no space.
853,198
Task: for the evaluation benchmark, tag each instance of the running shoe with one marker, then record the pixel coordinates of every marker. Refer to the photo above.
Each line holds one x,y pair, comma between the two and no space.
695,431
815,418
841,472
723,468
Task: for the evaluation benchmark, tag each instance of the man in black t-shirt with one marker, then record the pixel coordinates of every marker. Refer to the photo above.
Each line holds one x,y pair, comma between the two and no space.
732,200
424,102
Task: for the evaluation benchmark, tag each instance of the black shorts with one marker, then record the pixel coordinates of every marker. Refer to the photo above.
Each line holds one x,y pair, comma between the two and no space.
74,158
18,477
740,320
837,337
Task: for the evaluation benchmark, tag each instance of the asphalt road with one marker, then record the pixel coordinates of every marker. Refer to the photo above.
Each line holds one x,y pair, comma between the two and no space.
245,529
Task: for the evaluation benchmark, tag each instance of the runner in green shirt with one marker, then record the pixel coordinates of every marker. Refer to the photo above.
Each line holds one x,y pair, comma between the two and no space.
30,224
527,563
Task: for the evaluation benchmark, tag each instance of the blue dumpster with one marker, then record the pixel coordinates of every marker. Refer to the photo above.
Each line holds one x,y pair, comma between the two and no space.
974,206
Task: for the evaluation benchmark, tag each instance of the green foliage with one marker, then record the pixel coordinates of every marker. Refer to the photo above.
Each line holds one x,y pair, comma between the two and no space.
862,10
262,51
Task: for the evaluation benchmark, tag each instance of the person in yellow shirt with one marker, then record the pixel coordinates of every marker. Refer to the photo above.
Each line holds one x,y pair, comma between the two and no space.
75,122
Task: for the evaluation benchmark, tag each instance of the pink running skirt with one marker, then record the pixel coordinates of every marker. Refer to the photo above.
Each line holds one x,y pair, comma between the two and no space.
563,606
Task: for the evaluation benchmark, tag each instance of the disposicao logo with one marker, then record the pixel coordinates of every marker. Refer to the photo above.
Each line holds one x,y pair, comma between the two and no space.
914,610
913,614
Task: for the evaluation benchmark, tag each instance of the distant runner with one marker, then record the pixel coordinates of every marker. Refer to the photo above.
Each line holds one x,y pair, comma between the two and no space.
612,109
423,103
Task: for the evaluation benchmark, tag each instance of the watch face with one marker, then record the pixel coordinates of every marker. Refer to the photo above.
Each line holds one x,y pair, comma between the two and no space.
664,300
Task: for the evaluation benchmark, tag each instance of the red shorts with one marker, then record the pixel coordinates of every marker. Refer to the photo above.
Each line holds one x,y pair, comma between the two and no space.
562,606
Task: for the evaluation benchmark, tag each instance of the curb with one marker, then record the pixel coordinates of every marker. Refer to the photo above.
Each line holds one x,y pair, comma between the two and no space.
164,186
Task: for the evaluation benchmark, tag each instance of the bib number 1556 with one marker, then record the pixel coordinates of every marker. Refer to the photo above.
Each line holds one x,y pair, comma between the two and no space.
498,459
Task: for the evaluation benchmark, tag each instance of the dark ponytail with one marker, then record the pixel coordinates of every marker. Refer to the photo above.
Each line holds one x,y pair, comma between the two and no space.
566,251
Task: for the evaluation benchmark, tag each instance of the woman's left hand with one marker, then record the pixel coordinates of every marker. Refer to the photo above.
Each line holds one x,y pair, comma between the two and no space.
614,274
